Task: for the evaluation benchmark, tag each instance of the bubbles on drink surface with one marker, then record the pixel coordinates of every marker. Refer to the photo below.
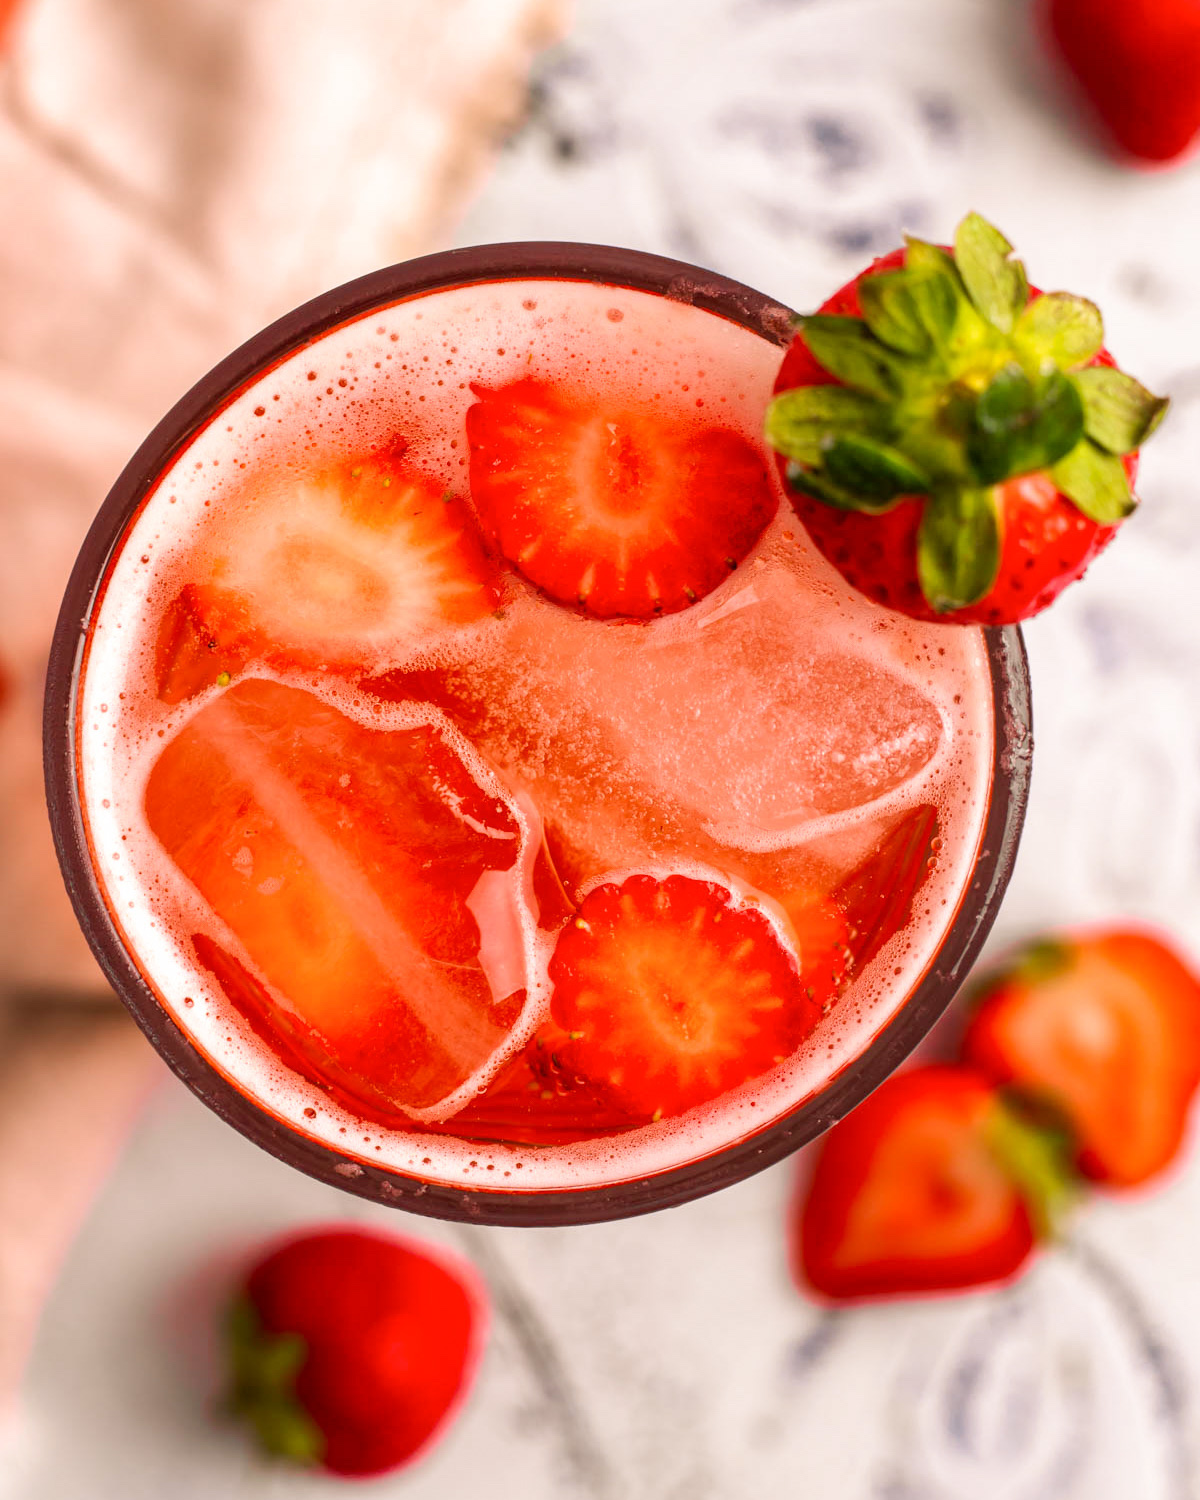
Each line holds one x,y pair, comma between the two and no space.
316,602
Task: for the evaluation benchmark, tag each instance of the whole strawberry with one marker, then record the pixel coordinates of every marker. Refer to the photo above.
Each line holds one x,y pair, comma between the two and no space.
351,1350
1138,64
959,445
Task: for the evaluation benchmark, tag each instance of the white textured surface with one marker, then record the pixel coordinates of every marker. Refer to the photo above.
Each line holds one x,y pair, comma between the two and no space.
781,141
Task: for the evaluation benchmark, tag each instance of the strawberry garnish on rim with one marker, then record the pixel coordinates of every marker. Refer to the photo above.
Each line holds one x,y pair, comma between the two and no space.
1104,1028
931,1185
613,508
958,444
333,570
671,994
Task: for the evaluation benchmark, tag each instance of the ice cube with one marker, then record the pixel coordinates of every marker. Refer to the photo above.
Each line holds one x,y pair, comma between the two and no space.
767,722
740,728
374,884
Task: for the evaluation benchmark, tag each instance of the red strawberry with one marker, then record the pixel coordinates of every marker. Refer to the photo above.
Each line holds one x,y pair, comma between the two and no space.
333,570
671,994
8,10
1138,63
352,1350
618,509
958,445
1105,1026
929,1186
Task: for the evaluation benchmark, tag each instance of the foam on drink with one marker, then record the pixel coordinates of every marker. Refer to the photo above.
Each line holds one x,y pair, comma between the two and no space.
790,668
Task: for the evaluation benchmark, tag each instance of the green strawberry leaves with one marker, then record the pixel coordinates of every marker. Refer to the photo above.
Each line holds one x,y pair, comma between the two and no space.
820,484
1060,329
954,381
995,284
1036,1149
958,548
833,431
264,1368
1020,425
872,469
1119,413
912,312
1096,482
799,421
847,348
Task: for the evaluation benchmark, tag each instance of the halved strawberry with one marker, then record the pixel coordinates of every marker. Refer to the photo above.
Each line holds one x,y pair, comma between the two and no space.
929,1186
673,995
332,570
615,508
1137,64
1105,1026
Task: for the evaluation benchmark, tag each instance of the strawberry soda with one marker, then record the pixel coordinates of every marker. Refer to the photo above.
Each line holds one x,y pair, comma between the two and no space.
477,786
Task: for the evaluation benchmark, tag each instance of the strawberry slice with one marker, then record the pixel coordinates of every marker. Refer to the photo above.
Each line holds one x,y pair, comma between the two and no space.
673,995
334,570
928,1186
620,510
1106,1027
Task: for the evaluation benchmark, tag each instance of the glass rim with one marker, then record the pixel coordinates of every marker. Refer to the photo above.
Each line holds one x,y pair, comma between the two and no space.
770,1143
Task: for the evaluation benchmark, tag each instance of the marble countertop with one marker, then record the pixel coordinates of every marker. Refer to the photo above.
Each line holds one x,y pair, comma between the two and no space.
782,142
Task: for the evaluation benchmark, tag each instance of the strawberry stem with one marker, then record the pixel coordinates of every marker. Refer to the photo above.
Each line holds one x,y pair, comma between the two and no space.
1036,1149
262,1391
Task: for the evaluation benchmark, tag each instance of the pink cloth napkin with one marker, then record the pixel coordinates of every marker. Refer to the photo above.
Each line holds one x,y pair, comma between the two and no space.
171,178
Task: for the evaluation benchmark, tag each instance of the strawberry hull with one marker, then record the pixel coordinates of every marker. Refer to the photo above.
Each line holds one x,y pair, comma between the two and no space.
1046,542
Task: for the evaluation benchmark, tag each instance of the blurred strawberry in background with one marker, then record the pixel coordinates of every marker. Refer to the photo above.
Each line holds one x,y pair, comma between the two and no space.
1081,1058
1105,1028
7,11
351,1350
929,1186
1138,64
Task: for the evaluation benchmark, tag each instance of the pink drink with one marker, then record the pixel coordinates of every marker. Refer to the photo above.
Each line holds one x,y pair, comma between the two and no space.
343,846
